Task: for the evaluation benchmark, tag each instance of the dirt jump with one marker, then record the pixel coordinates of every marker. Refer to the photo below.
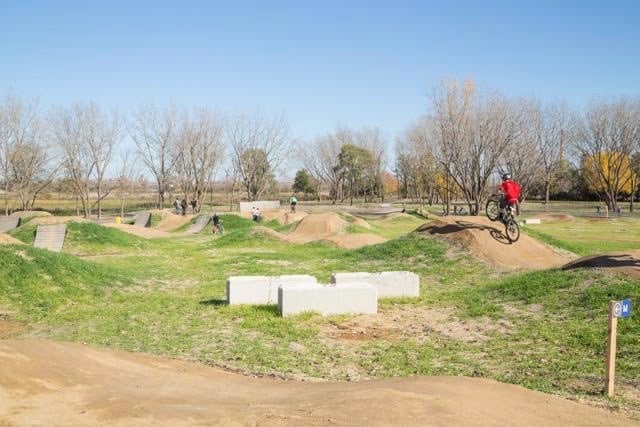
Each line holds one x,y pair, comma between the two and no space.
54,384
327,227
627,263
486,240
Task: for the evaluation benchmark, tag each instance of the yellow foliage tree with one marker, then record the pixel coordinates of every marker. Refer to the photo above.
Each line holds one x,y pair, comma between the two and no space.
608,173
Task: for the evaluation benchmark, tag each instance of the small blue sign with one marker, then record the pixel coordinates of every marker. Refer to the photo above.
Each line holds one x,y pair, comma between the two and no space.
626,308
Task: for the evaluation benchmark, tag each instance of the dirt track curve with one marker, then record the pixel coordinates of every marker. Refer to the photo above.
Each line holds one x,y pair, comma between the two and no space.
59,384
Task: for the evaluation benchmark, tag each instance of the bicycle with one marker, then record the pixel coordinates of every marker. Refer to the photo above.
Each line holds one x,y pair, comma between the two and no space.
511,227
217,229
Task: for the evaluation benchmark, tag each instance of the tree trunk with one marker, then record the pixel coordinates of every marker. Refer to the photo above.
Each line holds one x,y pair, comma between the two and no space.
547,189
6,197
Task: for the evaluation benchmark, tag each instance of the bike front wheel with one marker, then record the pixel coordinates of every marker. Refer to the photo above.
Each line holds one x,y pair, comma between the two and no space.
492,209
512,229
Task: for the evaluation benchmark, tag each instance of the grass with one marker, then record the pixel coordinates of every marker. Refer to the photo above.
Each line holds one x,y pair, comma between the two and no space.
545,330
585,236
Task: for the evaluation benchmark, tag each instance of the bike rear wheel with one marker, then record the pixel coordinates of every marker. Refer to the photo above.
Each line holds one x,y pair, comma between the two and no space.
512,230
492,209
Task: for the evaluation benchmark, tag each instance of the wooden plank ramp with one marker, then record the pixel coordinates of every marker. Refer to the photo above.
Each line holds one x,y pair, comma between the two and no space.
201,222
9,223
50,237
143,219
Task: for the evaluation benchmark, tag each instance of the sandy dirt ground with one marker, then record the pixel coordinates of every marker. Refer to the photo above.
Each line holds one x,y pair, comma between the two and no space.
48,383
144,232
486,240
5,239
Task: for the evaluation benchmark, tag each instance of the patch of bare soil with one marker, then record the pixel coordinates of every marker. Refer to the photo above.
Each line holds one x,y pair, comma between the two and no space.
5,239
10,328
25,214
416,323
144,232
55,383
627,263
486,240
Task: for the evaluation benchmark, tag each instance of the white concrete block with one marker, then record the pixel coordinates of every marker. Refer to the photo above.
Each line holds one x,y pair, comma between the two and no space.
388,283
263,205
351,298
532,221
262,289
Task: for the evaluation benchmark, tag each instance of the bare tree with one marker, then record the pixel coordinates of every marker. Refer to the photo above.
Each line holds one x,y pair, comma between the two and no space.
607,135
372,140
259,145
27,162
474,131
198,151
320,160
416,165
552,132
126,176
155,132
523,158
87,137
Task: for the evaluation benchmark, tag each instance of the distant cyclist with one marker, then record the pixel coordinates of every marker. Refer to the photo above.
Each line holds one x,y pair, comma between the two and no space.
293,201
510,190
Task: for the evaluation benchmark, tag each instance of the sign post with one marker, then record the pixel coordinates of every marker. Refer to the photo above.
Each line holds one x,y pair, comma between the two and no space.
616,309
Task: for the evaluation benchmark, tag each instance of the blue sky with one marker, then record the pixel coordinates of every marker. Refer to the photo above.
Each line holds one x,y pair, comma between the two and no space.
323,63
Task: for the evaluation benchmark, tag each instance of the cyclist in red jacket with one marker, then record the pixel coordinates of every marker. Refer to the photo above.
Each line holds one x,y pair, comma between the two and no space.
510,193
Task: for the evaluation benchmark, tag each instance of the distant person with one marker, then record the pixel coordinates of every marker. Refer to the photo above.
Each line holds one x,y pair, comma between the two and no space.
194,206
510,191
293,201
254,213
176,205
217,224
183,205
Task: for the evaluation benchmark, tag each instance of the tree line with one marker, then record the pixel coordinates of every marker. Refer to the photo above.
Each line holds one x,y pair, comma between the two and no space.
465,139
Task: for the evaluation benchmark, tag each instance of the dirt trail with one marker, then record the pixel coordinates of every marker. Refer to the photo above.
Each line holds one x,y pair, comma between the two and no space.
53,383
486,240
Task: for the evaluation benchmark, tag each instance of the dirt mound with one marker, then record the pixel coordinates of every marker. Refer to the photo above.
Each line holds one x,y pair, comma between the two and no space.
326,227
554,217
26,214
486,240
55,383
147,233
50,220
284,216
5,239
317,227
170,220
627,263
